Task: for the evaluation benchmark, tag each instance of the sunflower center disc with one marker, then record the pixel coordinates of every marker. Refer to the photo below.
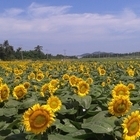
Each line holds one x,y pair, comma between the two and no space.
121,108
121,92
133,128
39,121
53,104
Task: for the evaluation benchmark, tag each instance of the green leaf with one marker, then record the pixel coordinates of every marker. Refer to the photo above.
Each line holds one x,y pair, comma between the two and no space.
118,134
5,132
1,111
13,123
67,111
2,138
100,123
12,103
2,124
96,90
20,136
60,137
85,101
28,103
9,112
93,112
77,133
135,99
69,127
66,127
76,124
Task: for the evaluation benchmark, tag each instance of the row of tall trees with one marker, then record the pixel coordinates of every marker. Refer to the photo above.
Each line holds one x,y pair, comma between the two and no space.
7,52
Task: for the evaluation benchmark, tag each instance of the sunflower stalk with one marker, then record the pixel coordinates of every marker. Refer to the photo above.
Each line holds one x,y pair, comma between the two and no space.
39,137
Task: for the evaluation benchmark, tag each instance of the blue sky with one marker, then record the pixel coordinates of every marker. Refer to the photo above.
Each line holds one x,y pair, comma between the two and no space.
71,26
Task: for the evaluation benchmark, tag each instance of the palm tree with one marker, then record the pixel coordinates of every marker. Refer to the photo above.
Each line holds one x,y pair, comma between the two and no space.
8,50
19,50
6,43
38,48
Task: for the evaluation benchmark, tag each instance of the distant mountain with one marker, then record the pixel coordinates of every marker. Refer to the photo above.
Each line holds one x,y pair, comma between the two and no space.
95,54
98,52
85,54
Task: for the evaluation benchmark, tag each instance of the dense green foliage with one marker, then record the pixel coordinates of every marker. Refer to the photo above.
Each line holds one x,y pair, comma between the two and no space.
7,52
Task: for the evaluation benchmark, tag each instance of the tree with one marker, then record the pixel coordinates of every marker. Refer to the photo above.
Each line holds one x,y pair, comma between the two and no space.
38,48
2,52
8,51
19,50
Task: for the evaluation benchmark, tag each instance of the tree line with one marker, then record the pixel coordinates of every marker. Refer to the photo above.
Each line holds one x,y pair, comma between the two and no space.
7,52
117,55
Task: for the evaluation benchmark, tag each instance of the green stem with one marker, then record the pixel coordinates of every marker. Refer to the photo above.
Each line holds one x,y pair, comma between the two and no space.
39,137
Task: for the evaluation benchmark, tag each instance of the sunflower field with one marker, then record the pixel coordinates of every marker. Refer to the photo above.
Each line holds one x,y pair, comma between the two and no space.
71,99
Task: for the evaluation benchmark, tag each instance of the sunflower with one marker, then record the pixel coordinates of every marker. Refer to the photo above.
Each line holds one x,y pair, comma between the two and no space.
131,86
89,81
73,80
20,71
65,77
16,71
119,105
131,126
26,85
81,68
54,103
4,92
53,85
120,89
108,80
19,91
18,77
103,84
86,74
47,74
51,68
44,89
130,72
38,118
1,79
35,87
83,88
54,82
39,76
31,76
101,71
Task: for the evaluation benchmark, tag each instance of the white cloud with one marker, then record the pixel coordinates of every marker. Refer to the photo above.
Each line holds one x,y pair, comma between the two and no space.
12,12
54,25
37,10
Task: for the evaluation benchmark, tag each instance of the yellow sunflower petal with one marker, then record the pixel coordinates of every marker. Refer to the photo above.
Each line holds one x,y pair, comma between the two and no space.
54,103
38,118
119,105
131,126
120,89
